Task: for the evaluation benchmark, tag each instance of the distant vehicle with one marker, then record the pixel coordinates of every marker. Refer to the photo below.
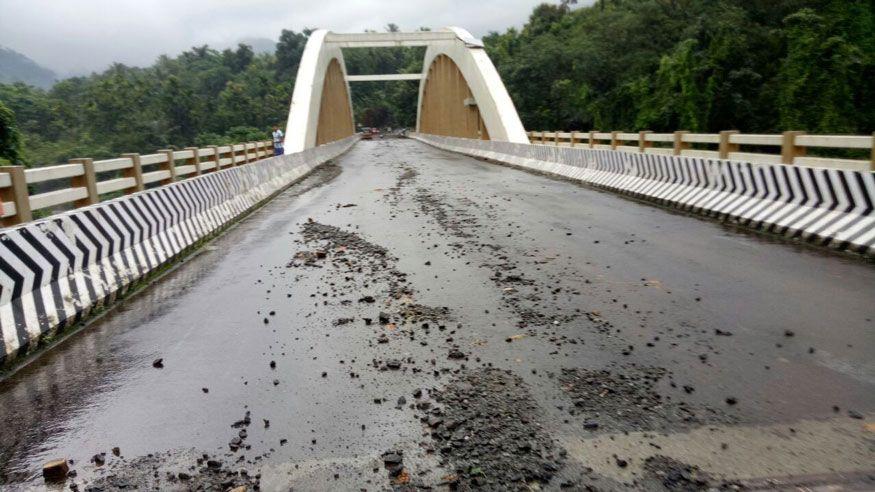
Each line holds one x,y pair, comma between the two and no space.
366,133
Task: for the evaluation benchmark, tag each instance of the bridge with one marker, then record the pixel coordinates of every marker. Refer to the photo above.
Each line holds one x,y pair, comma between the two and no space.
475,306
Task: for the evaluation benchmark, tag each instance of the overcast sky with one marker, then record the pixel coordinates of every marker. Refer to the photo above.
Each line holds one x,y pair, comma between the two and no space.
80,36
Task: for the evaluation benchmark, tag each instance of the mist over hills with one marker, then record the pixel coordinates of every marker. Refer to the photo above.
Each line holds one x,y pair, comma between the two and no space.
16,67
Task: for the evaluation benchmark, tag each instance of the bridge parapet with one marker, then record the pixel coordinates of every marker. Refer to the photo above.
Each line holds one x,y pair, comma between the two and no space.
791,147
85,181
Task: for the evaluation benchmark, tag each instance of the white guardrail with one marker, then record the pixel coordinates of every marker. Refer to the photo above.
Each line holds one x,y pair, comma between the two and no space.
790,147
88,181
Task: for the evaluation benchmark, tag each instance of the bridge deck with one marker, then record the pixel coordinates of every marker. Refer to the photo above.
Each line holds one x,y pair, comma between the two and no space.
547,279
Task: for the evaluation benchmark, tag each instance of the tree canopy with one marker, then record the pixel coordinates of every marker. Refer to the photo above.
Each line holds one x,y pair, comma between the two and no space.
663,65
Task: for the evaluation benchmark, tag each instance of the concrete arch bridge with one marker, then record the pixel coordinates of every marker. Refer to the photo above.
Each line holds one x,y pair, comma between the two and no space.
460,92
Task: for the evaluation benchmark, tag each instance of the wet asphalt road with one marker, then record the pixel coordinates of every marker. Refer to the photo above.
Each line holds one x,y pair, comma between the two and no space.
629,332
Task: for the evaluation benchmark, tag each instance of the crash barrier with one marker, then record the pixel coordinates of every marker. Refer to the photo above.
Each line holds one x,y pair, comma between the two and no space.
831,207
56,271
791,147
84,182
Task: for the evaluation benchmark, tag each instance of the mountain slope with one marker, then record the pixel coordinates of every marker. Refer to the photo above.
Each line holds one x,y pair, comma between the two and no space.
15,67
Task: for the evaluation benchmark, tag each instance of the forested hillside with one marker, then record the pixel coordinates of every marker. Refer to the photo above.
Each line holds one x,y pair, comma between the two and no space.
699,65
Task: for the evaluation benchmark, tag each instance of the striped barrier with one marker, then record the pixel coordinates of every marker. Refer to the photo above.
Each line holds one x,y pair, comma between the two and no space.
830,207
55,271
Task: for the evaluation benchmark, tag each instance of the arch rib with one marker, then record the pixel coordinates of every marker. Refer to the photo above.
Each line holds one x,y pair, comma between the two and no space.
302,127
493,102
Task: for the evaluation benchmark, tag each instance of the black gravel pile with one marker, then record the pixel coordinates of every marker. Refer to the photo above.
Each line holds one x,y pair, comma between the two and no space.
487,431
676,476
173,471
625,399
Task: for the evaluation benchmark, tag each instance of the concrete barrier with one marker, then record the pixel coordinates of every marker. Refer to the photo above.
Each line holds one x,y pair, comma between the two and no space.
55,271
830,207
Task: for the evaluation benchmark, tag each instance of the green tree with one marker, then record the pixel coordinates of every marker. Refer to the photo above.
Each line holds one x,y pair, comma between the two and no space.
10,138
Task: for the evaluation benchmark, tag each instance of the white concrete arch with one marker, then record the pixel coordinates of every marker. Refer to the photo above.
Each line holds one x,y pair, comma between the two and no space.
496,108
302,125
498,114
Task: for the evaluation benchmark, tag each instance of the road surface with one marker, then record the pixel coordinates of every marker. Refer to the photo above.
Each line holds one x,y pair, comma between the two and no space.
409,317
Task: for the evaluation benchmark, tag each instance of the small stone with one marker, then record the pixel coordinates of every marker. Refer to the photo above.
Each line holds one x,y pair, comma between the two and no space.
731,400
98,459
855,414
456,354
116,451
55,471
393,364
384,318
158,363
789,333
590,425
205,390
273,364
392,458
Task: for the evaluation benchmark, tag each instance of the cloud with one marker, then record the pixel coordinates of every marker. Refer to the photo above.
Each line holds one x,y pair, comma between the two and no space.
80,36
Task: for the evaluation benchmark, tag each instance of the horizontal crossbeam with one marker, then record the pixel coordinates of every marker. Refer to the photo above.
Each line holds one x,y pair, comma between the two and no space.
383,77
388,39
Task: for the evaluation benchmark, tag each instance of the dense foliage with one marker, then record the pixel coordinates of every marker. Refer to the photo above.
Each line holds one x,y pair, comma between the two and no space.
699,65
200,97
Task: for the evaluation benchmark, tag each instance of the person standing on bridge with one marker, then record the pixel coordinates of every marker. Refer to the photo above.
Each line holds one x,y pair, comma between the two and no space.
277,141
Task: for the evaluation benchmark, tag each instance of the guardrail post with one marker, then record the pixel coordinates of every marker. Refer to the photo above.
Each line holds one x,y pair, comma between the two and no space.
169,166
592,139
87,180
789,150
571,139
16,193
872,158
246,153
136,172
643,143
556,138
195,159
614,141
725,147
216,157
543,137
679,144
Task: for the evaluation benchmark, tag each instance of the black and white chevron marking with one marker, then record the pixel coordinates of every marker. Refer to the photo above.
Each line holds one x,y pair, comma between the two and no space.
53,272
830,207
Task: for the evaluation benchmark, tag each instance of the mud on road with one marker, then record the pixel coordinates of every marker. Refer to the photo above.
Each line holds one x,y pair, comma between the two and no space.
407,319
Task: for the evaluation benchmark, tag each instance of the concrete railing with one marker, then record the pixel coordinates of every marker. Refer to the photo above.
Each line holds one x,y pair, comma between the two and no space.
88,180
788,148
